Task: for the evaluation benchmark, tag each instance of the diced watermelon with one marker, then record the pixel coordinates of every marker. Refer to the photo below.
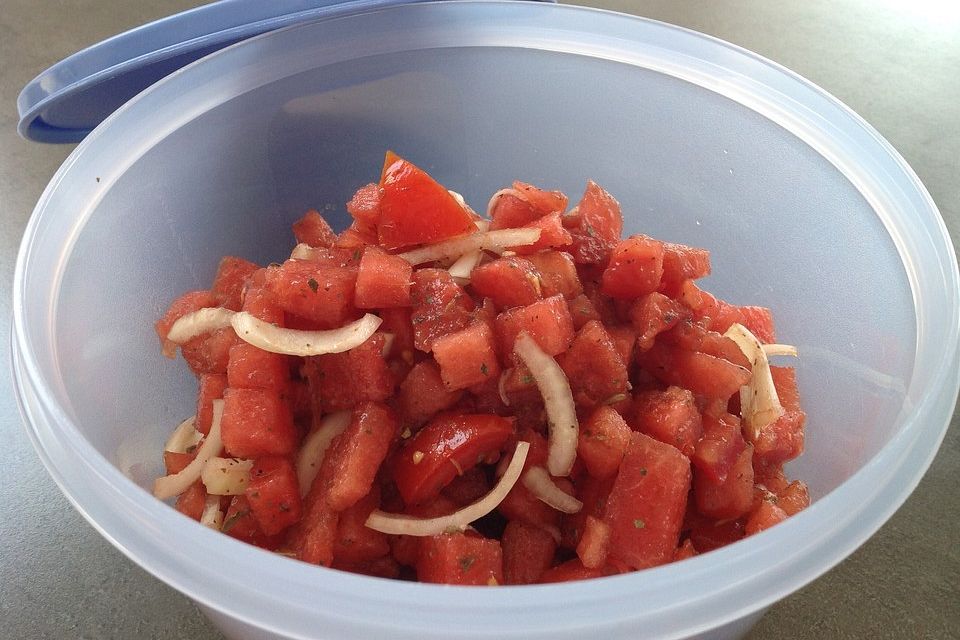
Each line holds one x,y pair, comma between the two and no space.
364,206
593,366
467,487
510,211
415,208
212,386
703,374
541,200
383,280
603,439
397,323
794,499
423,394
730,498
718,450
681,263
253,368
509,282
653,314
356,454
262,304
313,229
528,552
228,284
582,311
314,537
647,503
569,571
594,493
344,380
547,321
257,422
763,517
461,559
783,440
357,236
558,274
239,523
707,535
594,544
670,416
273,494
635,268
440,306
467,357
356,542
552,234
210,352
321,293
599,228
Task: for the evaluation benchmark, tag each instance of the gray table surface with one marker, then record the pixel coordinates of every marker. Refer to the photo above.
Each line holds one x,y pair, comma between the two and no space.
896,62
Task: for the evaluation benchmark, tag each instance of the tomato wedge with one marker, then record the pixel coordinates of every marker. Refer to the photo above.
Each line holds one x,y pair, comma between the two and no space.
445,448
415,208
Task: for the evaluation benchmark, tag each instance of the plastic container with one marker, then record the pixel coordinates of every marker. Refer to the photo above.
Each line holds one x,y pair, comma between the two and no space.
805,208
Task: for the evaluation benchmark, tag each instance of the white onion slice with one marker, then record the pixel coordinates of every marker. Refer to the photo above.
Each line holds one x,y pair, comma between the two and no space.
183,437
780,350
199,322
539,483
212,516
501,387
396,523
464,265
496,241
303,251
557,400
176,483
303,343
315,447
226,476
759,403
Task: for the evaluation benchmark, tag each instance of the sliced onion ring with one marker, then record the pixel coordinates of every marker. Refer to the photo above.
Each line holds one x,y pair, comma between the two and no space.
759,403
539,483
199,322
294,342
464,265
315,447
496,241
226,476
557,400
780,350
212,516
303,251
176,483
184,436
400,524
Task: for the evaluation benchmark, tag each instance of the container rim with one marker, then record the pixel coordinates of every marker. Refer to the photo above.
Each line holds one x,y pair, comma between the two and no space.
165,544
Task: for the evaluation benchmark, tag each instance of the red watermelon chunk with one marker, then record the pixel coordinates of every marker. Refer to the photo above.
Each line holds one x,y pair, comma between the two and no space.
440,306
257,422
547,321
467,357
457,558
593,366
318,292
647,503
274,494
383,280
528,552
344,380
228,284
558,274
312,229
701,373
509,282
670,416
423,393
635,268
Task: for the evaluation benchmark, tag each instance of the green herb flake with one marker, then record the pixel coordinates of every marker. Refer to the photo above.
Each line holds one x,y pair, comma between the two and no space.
313,285
643,471
483,368
356,254
639,524
466,562
526,379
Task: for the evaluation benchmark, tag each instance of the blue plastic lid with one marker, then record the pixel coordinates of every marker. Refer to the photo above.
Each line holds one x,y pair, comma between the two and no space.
68,100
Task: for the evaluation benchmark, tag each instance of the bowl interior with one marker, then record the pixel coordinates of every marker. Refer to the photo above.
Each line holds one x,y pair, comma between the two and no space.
786,229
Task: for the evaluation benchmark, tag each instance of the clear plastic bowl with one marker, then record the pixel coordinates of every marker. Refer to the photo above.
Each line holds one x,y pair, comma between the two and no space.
806,209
